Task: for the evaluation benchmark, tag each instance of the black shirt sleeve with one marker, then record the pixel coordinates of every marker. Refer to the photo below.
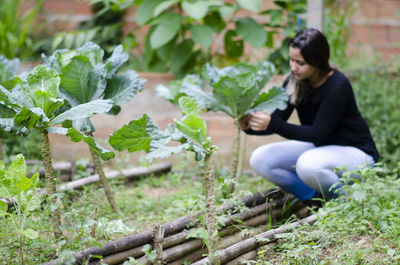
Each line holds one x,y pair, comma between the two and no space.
332,106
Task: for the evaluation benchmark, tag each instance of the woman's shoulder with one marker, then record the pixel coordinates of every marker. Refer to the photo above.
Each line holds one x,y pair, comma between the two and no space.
338,76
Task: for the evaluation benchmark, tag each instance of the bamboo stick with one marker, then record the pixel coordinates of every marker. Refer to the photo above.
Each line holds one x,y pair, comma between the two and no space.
130,242
247,245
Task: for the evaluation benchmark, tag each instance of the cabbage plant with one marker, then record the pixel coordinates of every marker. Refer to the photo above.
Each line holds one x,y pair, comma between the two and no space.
236,90
8,70
86,78
36,105
190,133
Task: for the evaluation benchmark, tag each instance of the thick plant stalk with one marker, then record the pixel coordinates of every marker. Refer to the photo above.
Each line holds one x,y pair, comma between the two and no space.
98,167
211,219
235,155
242,153
50,181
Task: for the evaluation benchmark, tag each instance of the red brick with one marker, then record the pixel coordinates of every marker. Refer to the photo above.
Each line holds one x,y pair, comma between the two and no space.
82,8
369,34
59,6
394,34
366,9
388,9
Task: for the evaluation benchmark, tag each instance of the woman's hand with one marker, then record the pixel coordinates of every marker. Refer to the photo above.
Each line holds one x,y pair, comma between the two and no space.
258,121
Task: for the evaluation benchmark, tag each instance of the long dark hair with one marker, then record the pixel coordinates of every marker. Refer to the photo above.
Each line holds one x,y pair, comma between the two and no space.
314,48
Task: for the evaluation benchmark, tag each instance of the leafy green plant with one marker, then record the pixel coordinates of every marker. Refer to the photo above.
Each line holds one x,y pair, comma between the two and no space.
191,133
236,91
15,27
8,70
337,28
14,184
34,103
377,107
86,78
182,34
286,19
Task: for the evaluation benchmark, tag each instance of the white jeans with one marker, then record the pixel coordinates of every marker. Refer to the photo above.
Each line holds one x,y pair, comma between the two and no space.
305,170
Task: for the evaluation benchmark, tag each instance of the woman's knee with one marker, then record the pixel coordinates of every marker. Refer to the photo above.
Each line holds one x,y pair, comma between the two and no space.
259,161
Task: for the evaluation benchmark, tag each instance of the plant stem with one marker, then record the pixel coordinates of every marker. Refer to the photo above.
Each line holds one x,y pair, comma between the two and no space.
50,181
211,220
98,167
242,153
1,150
235,155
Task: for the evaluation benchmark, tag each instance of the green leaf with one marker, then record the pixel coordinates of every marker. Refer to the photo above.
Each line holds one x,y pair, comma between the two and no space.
166,31
44,79
202,35
226,10
161,7
233,45
188,106
117,58
181,55
80,81
275,98
359,195
196,10
3,208
252,5
8,70
122,87
83,111
34,202
132,137
29,117
30,233
193,127
76,136
146,10
251,31
275,17
214,21
17,173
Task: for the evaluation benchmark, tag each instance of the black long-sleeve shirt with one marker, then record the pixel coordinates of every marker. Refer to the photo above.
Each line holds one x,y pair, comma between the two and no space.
328,116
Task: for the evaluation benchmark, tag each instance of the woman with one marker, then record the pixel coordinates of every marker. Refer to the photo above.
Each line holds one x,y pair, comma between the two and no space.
332,133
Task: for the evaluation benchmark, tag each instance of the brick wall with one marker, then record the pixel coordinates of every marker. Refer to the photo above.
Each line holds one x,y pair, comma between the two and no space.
376,25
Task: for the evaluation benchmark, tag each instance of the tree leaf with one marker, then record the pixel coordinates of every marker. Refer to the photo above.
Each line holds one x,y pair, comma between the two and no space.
161,7
146,10
181,54
83,111
252,5
196,10
251,32
233,45
166,31
202,35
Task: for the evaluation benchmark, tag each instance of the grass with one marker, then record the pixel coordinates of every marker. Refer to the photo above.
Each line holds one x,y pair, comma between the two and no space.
152,199
363,229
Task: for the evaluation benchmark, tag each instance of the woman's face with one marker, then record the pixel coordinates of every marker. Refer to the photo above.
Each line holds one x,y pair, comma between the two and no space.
299,67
